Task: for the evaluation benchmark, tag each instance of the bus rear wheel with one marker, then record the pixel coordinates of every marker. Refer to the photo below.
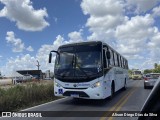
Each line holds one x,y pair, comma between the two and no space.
125,85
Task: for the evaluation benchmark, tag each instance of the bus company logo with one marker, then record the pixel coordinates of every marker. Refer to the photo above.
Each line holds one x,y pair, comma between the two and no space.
75,85
6,114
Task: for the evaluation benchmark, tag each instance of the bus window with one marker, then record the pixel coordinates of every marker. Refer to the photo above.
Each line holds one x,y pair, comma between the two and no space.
104,59
124,63
118,60
113,58
121,62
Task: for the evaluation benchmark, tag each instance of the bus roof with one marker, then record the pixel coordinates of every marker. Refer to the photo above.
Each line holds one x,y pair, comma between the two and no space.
81,43
90,42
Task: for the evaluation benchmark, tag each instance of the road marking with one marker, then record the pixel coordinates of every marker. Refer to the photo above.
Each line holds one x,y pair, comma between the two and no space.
120,106
116,105
120,103
43,104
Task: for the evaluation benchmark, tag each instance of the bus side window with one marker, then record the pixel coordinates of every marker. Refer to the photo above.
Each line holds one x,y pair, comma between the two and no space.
127,64
108,57
113,58
121,62
104,59
124,63
118,60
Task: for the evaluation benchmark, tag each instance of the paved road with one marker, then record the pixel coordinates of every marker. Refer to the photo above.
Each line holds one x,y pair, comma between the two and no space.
130,100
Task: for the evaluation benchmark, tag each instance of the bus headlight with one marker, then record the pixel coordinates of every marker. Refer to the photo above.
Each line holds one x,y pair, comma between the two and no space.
58,85
97,84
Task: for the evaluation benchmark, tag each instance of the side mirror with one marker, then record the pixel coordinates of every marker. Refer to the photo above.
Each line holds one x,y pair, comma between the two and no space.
108,55
50,57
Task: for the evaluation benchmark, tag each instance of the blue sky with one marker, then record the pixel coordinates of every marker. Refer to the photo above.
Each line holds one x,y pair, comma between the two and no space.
29,29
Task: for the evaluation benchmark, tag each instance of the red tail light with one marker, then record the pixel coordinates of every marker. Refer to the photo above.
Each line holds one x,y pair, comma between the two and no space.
146,78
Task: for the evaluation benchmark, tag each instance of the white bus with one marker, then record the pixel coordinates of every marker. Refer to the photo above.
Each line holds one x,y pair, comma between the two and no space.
90,70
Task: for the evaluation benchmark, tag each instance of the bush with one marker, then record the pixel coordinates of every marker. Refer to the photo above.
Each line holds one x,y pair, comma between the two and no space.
18,97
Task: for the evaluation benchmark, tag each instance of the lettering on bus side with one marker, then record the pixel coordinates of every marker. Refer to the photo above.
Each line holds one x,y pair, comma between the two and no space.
66,84
79,84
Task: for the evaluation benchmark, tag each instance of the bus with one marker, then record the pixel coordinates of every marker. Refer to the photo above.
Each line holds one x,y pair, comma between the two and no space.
89,70
137,75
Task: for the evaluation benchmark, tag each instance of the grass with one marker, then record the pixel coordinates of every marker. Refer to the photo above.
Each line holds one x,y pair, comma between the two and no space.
20,97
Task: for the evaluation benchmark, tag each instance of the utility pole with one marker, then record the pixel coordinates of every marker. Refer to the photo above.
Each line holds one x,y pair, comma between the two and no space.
38,65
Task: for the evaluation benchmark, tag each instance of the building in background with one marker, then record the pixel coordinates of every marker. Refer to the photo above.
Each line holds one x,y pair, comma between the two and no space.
35,74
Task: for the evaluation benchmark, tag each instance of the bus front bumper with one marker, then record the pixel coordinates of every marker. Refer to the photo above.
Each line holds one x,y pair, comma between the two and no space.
89,93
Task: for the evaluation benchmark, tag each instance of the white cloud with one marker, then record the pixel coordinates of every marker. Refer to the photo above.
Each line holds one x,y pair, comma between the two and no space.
102,14
55,19
140,6
17,44
135,28
25,62
75,36
153,45
25,16
156,11
133,35
101,7
103,18
30,48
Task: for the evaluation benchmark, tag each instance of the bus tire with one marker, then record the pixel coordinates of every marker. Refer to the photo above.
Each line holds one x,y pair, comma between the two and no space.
125,85
112,90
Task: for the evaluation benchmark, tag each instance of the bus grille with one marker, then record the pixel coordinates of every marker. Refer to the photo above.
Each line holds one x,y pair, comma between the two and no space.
80,93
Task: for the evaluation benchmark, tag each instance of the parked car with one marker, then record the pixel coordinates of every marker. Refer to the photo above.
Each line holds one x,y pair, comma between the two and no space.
150,79
151,106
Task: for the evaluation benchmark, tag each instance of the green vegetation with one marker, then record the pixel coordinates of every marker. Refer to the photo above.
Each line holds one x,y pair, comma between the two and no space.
20,97
155,70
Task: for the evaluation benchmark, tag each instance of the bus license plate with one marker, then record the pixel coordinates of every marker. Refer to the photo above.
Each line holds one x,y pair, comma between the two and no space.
74,95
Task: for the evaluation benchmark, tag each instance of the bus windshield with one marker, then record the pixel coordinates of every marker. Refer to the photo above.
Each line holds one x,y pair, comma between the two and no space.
78,61
137,72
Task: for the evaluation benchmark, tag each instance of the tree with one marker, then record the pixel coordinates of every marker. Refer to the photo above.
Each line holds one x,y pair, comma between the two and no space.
155,65
157,69
148,71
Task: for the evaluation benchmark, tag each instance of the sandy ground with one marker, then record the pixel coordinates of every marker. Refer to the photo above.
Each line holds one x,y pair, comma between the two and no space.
5,81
